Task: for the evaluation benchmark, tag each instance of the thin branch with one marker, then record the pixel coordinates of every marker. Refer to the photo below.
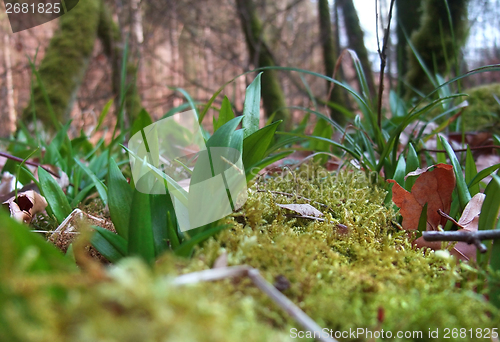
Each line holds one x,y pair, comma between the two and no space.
464,236
20,160
383,62
280,299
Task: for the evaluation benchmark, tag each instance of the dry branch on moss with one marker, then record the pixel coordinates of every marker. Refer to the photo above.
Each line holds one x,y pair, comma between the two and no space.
246,271
472,238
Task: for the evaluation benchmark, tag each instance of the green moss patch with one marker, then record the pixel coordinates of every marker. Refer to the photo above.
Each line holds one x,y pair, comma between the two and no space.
353,270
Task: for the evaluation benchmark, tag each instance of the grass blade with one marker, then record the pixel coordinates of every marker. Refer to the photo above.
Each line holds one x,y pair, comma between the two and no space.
101,188
462,189
471,172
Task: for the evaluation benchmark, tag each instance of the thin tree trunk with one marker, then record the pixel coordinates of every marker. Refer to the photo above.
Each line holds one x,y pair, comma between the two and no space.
10,125
260,56
435,41
330,55
355,37
408,21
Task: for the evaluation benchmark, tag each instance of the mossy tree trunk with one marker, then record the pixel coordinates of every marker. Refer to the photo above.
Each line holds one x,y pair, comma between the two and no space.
355,37
437,40
260,56
65,61
330,55
408,21
67,57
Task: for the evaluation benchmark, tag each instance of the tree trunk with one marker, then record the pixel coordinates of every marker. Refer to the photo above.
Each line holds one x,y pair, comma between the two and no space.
8,124
329,57
260,56
66,59
436,42
408,20
356,41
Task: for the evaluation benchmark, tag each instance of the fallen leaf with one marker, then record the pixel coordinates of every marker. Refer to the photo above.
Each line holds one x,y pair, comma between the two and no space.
26,205
469,221
302,209
434,186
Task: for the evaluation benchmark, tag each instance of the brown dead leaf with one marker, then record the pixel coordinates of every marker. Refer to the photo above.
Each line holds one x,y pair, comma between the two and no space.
26,205
434,186
302,209
469,221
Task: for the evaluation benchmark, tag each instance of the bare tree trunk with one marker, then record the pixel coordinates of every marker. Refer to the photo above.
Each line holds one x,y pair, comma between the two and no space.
356,41
260,56
330,55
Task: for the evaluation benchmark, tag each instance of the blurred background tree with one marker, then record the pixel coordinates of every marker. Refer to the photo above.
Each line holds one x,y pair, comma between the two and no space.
199,46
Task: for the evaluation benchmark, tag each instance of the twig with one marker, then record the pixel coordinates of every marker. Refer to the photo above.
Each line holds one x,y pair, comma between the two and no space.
383,62
280,299
20,160
464,236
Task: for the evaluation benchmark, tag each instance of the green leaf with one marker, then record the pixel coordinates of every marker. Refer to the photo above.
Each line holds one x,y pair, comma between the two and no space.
225,114
173,236
224,135
422,222
103,114
483,174
140,230
101,188
441,157
488,219
112,246
399,177
162,212
412,163
398,106
186,248
251,109
56,199
322,129
471,172
119,199
256,144
142,120
81,195
24,251
463,191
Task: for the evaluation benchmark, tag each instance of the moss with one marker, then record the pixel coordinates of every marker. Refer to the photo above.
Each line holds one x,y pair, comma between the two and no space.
341,279
66,59
483,112
435,41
